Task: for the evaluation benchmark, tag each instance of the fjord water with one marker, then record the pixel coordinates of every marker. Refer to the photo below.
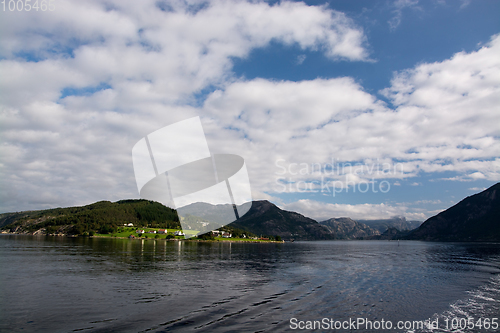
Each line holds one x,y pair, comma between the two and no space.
58,284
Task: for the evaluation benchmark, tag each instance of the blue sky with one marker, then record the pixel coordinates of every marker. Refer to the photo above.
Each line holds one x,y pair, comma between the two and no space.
371,85
427,32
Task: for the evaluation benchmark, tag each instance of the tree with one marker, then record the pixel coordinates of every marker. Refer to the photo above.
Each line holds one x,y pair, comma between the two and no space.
207,236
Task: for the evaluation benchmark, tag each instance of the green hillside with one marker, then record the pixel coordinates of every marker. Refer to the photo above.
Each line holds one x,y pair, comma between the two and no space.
102,217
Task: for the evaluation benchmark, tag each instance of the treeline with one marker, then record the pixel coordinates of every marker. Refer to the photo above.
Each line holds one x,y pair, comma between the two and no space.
101,217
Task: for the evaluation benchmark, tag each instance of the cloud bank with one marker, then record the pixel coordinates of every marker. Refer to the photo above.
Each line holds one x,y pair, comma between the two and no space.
81,85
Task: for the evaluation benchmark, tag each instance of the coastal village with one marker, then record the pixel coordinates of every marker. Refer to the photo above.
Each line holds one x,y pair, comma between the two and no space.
156,233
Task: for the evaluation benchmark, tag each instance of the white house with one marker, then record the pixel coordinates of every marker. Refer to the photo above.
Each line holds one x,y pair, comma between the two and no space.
179,233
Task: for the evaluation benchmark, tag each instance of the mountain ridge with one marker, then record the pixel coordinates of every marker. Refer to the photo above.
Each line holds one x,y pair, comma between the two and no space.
348,229
398,222
475,218
265,216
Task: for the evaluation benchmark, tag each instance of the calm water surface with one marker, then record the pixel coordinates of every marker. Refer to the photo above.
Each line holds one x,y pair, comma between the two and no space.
57,284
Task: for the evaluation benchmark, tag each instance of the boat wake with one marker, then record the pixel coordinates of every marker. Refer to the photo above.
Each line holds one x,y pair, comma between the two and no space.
471,314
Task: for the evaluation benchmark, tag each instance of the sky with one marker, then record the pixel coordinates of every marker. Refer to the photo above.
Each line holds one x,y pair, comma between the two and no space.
361,109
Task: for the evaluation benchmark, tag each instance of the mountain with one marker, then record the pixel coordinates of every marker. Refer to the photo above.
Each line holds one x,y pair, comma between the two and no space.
267,219
391,234
263,218
208,212
398,222
347,228
102,217
475,218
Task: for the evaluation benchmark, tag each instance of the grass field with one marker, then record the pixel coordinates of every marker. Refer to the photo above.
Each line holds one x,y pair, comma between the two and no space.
125,232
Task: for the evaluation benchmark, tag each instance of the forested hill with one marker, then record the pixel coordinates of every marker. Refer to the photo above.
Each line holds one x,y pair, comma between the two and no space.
99,217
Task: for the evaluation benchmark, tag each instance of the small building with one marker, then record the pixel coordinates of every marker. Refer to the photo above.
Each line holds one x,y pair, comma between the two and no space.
152,232
140,231
226,234
162,231
179,233
130,225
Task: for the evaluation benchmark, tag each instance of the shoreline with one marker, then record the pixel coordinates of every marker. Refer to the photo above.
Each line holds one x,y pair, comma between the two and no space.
227,240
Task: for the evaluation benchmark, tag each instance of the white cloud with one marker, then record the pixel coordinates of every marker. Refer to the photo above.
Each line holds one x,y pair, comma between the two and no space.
477,189
451,109
464,3
148,63
146,60
321,211
433,202
137,48
300,59
445,119
276,111
399,6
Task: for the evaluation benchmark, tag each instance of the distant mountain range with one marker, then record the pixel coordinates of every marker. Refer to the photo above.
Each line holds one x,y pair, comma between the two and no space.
347,228
265,218
398,222
476,218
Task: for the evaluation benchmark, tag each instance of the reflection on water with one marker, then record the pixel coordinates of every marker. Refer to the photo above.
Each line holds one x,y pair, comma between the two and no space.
56,284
